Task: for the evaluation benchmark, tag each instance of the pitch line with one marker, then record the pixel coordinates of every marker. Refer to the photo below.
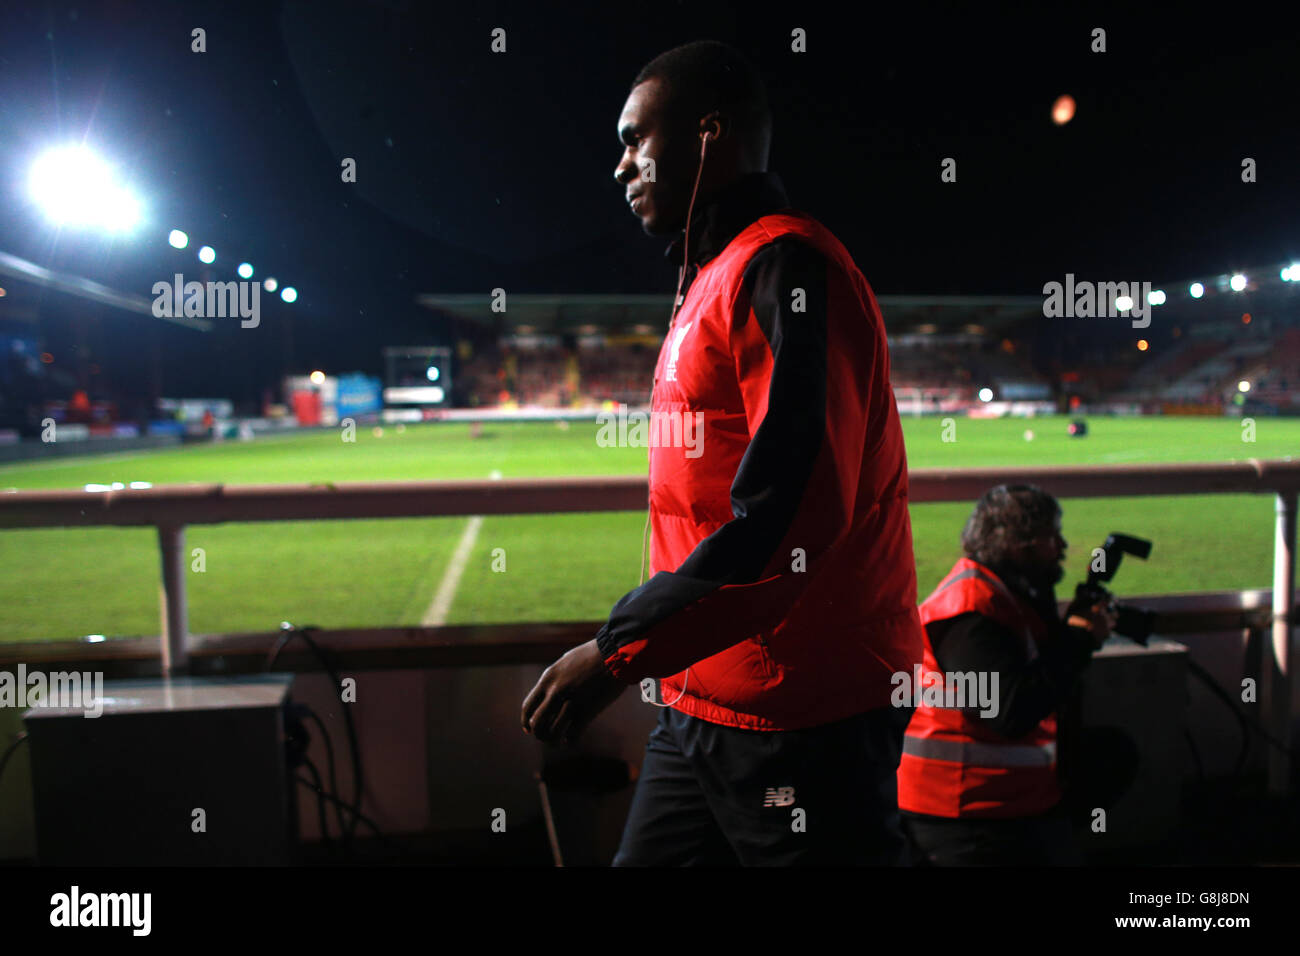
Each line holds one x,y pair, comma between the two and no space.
436,615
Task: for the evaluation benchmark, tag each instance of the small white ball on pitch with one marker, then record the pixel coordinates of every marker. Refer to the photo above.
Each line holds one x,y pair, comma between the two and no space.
1029,434
378,432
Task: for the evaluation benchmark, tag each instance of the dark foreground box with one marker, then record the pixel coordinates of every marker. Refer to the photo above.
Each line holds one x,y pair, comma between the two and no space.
180,772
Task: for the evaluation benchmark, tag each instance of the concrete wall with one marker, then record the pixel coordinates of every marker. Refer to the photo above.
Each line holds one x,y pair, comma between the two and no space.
442,749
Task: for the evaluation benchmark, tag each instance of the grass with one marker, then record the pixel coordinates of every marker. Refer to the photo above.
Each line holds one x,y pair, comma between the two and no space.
60,583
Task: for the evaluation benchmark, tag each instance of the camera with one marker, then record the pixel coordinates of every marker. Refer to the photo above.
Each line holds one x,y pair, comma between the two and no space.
1132,622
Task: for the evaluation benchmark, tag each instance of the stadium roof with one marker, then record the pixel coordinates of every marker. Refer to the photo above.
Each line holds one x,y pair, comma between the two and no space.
580,314
32,278
1262,290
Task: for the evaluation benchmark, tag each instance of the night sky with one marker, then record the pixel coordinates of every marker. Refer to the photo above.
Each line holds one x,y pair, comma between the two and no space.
477,170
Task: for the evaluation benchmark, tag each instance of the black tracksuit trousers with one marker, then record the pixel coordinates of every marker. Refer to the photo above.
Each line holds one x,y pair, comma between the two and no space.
712,795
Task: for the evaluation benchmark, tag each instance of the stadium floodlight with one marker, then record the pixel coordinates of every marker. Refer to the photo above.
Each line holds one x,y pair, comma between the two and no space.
1157,297
245,270
289,294
1291,273
75,187
1123,303
317,377
207,255
270,284
432,373
1238,282
1197,290
1243,386
177,239
986,394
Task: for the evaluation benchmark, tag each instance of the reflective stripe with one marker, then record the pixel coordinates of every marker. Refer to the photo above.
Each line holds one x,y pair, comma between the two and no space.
977,754
960,576
976,573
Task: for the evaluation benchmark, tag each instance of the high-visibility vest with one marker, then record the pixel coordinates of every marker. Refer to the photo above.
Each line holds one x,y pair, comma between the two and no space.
952,764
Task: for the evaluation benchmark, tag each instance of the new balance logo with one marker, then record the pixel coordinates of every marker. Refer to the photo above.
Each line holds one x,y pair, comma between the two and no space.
671,372
778,797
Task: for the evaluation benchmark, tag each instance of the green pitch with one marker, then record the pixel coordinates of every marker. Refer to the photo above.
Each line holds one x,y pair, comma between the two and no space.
63,583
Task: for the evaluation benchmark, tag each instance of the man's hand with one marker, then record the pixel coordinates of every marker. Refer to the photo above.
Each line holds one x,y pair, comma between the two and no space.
1098,619
569,695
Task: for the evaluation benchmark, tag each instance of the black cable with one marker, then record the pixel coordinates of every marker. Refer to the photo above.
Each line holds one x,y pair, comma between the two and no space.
358,777
1247,723
320,803
11,750
1206,678
358,781
361,817
329,763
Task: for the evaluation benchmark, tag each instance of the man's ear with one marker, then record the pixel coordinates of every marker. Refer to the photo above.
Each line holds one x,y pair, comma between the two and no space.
715,126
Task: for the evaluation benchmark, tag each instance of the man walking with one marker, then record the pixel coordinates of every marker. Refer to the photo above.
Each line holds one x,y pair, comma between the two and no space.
782,595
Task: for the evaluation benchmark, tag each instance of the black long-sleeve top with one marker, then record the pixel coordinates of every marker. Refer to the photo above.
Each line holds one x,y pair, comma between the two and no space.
1028,690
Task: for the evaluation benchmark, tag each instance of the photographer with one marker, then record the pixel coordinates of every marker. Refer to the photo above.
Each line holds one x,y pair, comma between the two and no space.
984,789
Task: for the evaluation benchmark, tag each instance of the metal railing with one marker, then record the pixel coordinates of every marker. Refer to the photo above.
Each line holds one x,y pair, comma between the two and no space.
171,508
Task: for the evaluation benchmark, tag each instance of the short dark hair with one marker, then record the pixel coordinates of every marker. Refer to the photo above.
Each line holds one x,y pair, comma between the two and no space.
1005,519
706,75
